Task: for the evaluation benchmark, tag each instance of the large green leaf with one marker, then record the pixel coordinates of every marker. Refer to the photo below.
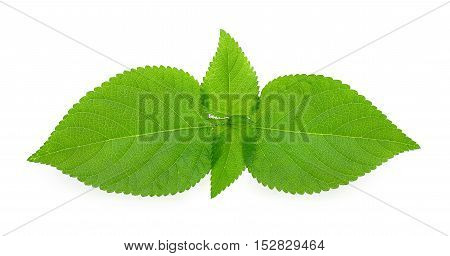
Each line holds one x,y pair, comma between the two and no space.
142,132
230,85
315,133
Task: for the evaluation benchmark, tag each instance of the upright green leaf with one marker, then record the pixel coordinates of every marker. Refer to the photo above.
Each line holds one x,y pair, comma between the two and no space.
230,85
230,90
141,132
315,133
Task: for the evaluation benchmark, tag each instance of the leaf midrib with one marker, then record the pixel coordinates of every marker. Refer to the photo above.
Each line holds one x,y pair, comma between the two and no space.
119,138
337,135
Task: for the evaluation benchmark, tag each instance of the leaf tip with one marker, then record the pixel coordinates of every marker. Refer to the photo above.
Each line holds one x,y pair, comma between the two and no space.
213,194
412,145
224,35
214,191
32,158
223,32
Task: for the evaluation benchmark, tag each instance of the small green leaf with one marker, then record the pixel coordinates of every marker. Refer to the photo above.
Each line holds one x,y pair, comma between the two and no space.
228,160
142,132
230,85
315,133
232,149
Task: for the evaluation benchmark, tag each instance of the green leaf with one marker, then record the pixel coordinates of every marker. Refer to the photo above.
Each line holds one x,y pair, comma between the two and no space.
315,133
142,132
228,161
154,131
230,85
231,147
230,90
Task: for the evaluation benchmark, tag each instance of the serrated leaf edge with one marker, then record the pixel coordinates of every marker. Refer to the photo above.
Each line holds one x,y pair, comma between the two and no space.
352,178
33,158
210,72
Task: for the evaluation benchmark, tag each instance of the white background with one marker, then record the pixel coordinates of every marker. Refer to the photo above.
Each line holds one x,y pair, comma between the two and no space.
405,74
